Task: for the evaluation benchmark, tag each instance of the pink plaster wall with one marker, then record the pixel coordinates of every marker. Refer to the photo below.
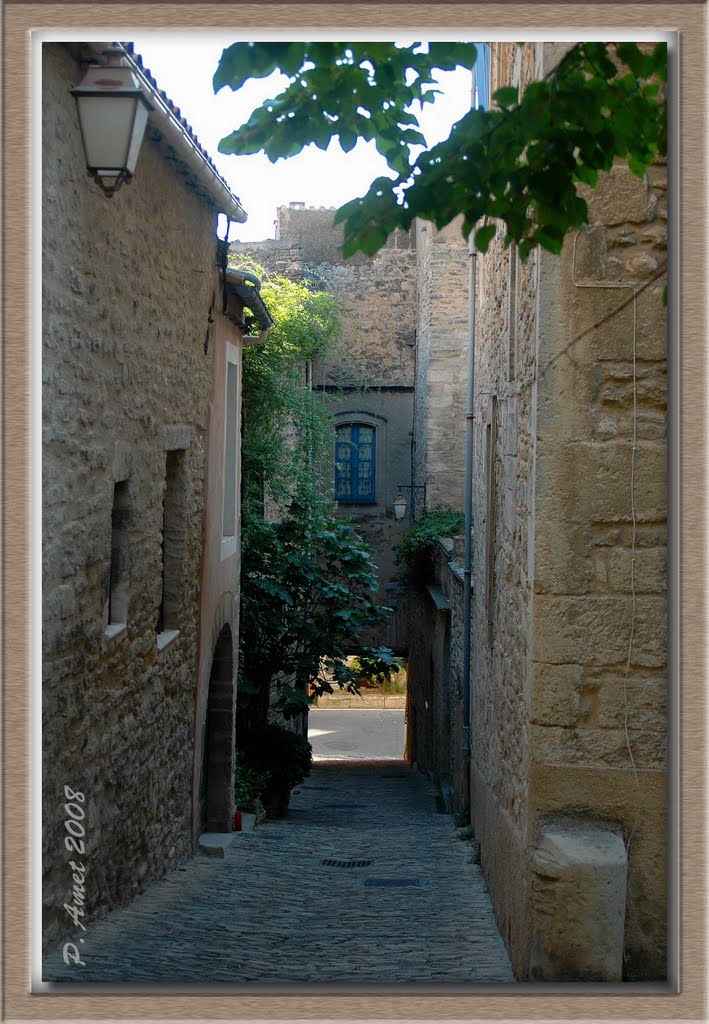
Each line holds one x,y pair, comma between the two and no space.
219,583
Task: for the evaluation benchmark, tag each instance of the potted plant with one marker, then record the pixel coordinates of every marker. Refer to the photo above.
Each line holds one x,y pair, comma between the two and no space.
284,756
249,784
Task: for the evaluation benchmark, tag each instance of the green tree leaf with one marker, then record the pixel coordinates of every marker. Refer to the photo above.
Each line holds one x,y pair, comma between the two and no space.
483,237
519,163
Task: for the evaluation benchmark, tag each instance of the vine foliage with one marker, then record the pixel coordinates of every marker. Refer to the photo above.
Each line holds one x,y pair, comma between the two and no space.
415,549
518,165
308,582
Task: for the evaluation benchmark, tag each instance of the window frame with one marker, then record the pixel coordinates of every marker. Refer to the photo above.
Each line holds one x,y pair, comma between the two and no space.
171,607
230,516
119,581
353,497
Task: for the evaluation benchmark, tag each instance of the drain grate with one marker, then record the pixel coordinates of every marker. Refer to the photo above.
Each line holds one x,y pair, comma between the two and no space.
276,838
393,883
331,863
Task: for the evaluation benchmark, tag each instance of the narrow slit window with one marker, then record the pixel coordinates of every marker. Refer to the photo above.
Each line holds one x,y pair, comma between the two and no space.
490,517
172,541
118,576
231,451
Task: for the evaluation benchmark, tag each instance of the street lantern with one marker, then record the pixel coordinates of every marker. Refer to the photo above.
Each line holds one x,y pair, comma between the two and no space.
399,506
113,114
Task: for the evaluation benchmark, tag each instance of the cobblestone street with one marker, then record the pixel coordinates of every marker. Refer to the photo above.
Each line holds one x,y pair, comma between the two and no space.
363,882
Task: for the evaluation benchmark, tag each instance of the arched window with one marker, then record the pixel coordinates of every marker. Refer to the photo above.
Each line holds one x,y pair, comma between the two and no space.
355,463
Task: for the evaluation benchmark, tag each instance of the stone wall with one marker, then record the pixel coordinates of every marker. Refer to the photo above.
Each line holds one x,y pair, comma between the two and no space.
503,496
435,683
441,360
600,634
127,287
378,296
570,646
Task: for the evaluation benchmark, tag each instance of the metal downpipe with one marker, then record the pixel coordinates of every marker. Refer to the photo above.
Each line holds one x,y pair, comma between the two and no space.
468,555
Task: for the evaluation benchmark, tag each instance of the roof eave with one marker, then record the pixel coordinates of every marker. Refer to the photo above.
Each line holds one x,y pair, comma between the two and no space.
179,134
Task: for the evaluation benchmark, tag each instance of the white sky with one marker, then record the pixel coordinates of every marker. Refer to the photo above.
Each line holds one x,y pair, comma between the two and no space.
183,65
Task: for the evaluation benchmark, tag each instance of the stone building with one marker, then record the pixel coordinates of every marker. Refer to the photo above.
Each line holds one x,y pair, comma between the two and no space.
367,380
568,769
140,504
440,365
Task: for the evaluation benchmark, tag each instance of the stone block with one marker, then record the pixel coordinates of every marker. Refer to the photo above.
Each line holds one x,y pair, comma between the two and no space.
594,747
592,629
556,694
650,570
178,437
591,480
619,198
579,873
591,253
563,555
595,630
645,701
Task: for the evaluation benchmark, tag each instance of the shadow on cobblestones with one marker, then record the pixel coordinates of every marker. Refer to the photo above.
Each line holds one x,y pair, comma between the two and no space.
363,882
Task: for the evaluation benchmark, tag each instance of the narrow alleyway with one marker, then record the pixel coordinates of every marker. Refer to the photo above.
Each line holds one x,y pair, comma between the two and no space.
363,882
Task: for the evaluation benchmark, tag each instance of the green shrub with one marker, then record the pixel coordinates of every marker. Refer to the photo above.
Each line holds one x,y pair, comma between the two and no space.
286,757
385,681
308,593
249,784
415,549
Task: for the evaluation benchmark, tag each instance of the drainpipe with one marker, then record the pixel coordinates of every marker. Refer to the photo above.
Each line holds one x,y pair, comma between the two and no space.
247,287
468,556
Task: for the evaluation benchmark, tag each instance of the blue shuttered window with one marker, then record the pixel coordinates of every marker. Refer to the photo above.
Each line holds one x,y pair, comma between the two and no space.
355,464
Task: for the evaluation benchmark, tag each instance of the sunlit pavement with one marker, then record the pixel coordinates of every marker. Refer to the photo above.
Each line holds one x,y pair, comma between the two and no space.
356,734
364,883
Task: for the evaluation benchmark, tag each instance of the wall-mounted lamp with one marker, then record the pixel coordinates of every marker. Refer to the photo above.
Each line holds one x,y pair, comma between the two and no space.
113,114
399,506
400,503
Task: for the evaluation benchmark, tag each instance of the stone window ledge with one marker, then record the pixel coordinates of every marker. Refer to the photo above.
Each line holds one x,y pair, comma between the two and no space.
114,630
165,639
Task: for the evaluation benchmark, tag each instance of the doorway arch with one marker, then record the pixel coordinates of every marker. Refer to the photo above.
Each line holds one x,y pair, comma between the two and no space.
218,759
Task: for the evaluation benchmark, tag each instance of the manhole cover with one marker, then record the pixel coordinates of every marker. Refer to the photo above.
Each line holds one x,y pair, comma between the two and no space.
392,883
331,863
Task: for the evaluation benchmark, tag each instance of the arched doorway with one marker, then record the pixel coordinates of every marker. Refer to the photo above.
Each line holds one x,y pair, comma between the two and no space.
216,796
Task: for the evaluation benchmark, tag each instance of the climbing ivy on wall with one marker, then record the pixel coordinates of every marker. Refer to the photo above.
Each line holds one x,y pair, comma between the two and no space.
415,549
308,582
286,432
